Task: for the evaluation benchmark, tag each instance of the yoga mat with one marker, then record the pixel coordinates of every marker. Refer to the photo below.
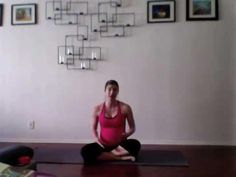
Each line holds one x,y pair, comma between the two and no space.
161,158
146,157
58,155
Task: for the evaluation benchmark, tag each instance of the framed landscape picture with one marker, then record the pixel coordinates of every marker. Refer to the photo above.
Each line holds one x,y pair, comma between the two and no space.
23,14
1,14
201,10
161,11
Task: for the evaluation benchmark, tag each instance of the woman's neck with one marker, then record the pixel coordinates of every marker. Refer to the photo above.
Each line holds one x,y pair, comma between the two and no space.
111,103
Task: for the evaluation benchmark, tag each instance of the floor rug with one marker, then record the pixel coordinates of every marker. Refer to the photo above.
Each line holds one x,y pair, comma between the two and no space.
146,157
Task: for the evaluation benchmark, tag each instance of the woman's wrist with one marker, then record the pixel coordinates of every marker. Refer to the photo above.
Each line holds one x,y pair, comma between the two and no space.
124,135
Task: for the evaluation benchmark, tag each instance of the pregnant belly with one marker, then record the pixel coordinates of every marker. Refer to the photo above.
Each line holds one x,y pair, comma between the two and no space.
111,136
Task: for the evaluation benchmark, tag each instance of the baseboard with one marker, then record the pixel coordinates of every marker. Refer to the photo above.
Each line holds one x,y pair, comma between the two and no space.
144,142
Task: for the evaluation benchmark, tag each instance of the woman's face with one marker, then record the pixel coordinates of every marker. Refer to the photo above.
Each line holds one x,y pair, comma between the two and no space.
111,91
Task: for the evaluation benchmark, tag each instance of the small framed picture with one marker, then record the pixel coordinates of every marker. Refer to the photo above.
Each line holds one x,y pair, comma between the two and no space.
1,14
23,14
161,11
201,10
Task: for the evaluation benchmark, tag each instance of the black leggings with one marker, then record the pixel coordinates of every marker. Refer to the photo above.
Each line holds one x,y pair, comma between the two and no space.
91,151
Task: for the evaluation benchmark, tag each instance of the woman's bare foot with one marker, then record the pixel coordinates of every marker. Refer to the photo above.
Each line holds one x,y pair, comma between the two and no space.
120,151
129,157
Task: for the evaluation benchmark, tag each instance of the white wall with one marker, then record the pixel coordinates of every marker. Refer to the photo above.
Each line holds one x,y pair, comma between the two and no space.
178,78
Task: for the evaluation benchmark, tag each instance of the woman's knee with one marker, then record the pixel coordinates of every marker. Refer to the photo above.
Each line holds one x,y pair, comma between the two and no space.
135,144
83,151
90,152
132,146
86,150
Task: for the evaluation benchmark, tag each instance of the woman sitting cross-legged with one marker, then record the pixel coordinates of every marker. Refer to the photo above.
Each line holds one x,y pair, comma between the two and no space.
112,141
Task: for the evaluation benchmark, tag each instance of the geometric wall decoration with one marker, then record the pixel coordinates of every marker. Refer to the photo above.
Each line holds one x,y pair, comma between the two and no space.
93,20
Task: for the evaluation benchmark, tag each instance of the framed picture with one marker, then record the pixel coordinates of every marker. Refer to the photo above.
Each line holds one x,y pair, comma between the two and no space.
161,11
23,14
201,10
1,14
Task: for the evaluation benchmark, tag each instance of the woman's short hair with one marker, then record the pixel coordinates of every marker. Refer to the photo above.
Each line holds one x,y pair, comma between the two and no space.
111,82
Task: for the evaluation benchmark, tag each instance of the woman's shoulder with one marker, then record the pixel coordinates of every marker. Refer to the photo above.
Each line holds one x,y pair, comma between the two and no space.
98,108
124,106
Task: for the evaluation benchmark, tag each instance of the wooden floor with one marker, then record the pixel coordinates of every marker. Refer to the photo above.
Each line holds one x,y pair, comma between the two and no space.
204,161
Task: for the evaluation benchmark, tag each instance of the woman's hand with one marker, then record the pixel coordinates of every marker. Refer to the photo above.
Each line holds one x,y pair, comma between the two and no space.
100,143
123,136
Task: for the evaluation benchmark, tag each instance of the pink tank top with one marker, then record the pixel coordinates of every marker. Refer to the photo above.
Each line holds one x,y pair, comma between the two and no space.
111,128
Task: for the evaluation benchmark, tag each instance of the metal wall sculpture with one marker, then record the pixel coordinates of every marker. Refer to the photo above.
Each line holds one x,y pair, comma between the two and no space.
92,21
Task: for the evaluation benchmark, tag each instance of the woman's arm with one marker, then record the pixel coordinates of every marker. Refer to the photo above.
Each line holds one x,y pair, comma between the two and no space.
130,120
95,123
